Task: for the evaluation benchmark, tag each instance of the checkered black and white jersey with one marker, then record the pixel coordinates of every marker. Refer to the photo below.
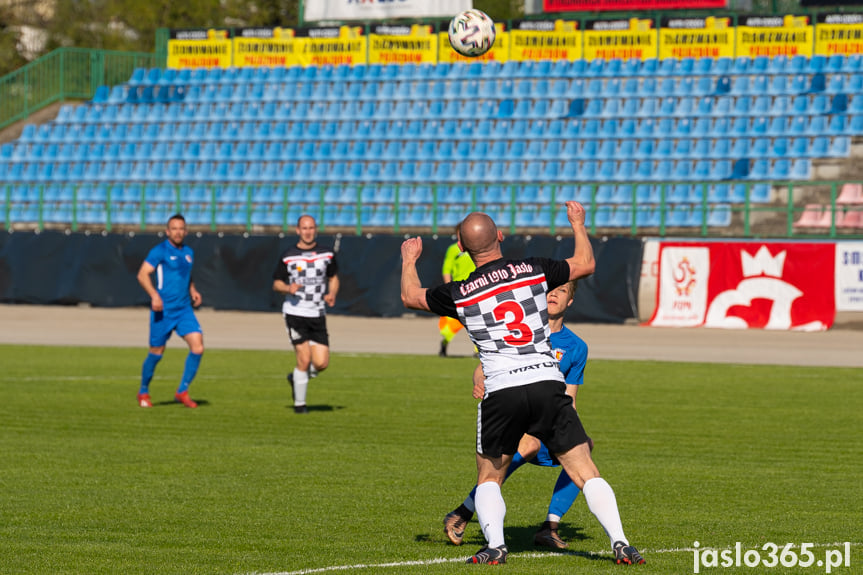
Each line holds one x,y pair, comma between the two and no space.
311,268
503,306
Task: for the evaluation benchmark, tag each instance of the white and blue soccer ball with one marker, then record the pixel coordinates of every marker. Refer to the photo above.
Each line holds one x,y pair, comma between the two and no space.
471,33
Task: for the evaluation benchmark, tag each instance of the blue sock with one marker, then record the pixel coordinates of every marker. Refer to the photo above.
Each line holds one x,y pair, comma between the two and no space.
147,371
565,492
193,360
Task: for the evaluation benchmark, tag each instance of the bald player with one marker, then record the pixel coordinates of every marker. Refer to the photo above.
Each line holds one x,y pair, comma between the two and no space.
306,274
503,307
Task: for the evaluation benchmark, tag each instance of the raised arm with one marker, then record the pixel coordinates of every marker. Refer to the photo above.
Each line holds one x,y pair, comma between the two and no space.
581,263
413,293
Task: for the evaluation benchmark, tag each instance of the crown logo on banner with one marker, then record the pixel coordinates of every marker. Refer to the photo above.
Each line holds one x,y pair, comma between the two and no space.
762,263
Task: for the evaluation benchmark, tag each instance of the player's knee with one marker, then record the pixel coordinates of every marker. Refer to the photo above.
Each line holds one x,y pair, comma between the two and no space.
197,349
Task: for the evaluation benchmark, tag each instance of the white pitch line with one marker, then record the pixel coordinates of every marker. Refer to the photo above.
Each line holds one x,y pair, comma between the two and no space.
526,555
112,379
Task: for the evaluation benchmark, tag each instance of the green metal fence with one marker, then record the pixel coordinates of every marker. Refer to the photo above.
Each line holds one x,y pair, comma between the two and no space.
66,74
779,216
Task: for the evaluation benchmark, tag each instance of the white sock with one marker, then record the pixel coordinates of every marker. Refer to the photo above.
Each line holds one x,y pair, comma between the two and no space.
313,373
301,383
552,518
602,503
490,511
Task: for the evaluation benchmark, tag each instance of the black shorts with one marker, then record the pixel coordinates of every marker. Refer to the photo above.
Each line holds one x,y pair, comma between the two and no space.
541,409
303,329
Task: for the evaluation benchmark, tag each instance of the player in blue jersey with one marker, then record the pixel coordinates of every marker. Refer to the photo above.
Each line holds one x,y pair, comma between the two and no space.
571,353
171,308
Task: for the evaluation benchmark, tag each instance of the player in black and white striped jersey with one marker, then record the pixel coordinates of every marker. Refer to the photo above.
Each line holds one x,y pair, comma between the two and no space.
307,276
504,309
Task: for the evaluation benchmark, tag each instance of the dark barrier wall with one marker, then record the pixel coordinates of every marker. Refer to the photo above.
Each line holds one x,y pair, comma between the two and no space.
234,272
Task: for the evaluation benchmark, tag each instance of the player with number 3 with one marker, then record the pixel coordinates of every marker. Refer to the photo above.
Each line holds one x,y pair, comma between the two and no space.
504,309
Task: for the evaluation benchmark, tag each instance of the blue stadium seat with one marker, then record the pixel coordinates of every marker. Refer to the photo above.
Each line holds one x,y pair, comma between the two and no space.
835,63
622,217
685,67
780,169
645,149
705,66
781,106
626,147
648,67
723,85
838,124
721,170
758,127
781,148
608,147
601,216
704,86
685,86
778,84
760,66
719,216
740,86
683,170
759,169
682,148
666,67
840,147
662,171
801,169
853,63
677,215
664,147
760,148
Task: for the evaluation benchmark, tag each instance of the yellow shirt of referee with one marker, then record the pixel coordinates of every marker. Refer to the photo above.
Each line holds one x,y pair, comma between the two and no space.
457,265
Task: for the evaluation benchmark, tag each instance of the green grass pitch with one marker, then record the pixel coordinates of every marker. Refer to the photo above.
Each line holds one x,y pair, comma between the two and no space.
719,454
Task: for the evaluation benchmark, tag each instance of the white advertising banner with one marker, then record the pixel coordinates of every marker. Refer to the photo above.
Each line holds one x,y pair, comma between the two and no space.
316,10
682,298
849,276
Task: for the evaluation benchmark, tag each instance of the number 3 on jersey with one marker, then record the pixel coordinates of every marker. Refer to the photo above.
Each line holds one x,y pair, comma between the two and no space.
515,326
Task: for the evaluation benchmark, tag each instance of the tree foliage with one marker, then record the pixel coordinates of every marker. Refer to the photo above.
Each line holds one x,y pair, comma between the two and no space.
131,24
501,9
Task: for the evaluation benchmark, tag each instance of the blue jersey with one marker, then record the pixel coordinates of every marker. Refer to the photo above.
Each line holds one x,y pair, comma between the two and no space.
173,274
571,353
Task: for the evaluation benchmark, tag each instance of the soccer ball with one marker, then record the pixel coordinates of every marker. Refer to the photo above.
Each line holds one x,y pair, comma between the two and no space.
471,33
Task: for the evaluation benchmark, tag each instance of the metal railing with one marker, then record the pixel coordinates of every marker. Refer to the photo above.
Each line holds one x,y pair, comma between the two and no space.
745,209
66,74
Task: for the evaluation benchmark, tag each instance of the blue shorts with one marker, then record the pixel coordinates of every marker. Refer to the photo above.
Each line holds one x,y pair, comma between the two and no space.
544,458
163,323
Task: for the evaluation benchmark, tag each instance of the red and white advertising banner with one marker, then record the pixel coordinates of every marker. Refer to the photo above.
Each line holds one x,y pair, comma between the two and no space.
746,285
382,9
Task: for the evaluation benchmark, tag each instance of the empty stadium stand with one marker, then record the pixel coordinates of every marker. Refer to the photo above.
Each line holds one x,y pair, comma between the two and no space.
644,144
